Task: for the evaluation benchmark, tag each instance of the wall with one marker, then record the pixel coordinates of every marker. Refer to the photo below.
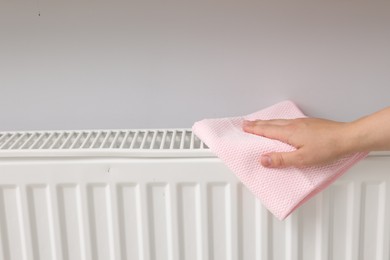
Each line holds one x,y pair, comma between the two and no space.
151,64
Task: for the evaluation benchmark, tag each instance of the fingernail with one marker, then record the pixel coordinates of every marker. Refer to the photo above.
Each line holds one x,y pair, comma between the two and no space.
266,160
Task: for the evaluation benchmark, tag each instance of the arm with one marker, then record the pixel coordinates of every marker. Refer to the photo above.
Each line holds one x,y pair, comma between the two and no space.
320,141
372,133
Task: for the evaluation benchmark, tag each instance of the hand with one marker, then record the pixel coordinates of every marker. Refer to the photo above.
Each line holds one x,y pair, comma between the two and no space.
318,141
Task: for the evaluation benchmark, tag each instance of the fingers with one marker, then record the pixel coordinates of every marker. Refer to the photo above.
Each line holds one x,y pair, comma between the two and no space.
274,129
282,160
278,129
267,122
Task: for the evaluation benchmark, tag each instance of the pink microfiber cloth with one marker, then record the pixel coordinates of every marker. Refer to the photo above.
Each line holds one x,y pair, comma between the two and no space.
280,190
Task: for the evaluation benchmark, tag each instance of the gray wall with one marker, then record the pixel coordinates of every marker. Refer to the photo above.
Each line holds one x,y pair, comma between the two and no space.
151,64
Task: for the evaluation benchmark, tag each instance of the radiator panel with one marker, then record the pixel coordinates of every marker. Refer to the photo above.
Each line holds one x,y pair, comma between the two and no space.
151,209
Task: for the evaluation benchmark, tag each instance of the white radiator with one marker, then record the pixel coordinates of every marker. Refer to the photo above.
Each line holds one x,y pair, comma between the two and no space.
161,194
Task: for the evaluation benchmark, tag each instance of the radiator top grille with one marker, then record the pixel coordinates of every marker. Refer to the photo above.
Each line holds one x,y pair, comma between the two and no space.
134,141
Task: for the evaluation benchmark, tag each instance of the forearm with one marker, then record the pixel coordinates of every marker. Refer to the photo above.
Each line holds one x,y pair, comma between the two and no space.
370,133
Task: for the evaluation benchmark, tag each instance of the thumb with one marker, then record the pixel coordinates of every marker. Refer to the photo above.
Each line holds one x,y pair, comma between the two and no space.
280,160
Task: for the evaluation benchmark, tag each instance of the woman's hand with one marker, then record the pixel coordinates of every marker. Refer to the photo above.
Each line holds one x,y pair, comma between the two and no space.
318,141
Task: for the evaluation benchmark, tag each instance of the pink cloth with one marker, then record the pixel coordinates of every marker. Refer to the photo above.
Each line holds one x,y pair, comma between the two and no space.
281,191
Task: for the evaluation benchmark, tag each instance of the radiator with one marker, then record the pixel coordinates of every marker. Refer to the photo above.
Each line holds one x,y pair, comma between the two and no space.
156,194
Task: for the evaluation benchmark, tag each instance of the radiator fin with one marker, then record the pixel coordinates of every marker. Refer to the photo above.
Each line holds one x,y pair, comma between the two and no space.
218,221
69,221
129,217
40,218
188,221
154,140
158,221
11,229
100,221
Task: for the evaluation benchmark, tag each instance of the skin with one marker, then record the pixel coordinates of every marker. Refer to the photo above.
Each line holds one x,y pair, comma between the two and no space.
320,141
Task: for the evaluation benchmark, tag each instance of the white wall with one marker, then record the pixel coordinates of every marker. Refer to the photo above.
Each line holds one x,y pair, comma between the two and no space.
135,64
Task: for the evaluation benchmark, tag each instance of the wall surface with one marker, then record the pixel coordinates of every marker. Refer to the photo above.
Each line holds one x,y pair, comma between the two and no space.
67,64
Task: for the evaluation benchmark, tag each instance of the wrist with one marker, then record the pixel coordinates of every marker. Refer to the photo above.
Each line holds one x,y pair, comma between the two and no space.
356,137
